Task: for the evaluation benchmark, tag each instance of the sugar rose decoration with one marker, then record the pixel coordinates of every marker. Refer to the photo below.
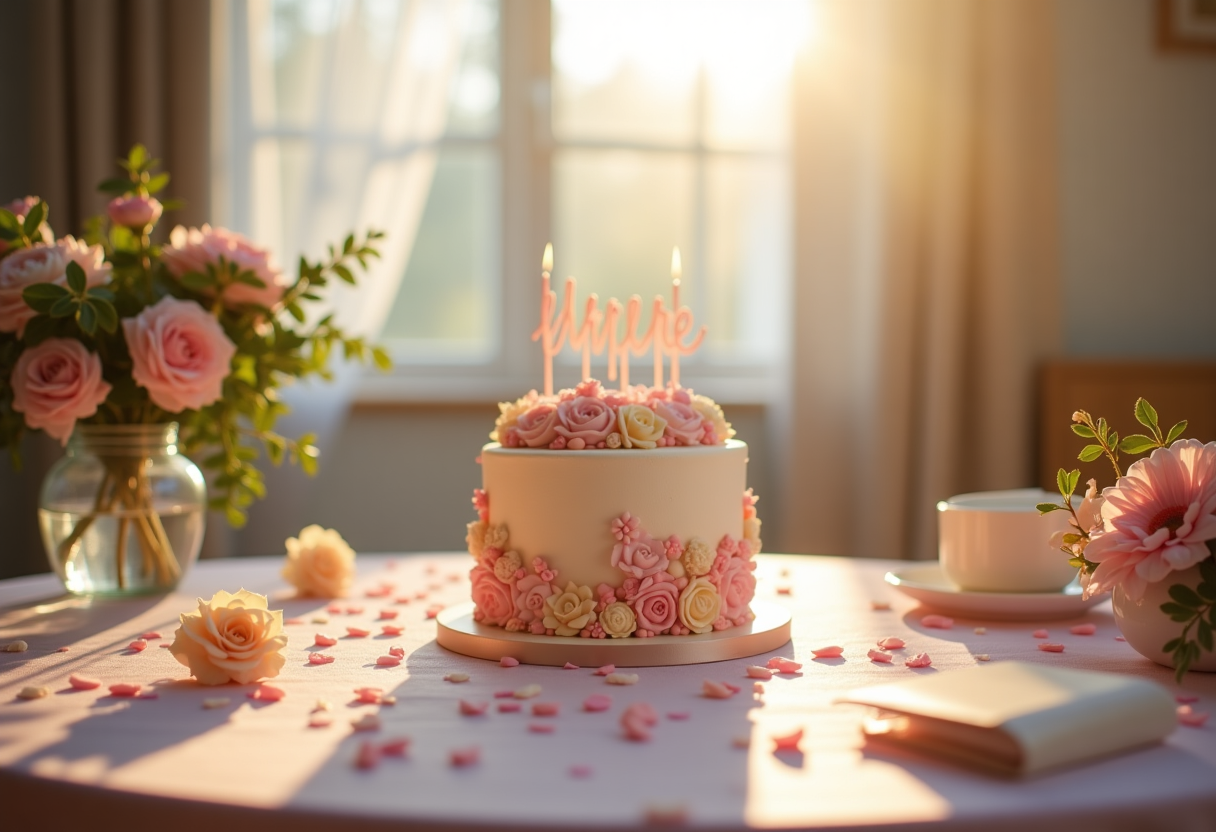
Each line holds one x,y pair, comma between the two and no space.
234,637
319,563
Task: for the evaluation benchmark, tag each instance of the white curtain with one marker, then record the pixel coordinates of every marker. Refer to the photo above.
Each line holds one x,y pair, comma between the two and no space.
381,181
926,283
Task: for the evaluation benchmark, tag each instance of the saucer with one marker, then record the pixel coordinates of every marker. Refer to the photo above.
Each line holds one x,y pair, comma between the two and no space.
926,583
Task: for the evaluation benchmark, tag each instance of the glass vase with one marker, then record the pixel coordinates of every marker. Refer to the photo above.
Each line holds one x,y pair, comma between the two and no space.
123,512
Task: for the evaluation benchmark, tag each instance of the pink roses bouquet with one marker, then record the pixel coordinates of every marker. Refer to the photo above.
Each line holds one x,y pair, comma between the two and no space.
115,329
1158,519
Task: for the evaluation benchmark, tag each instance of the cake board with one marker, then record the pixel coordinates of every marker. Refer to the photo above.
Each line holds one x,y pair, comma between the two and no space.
459,633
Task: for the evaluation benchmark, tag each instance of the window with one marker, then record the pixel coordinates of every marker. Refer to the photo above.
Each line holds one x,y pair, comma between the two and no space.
475,131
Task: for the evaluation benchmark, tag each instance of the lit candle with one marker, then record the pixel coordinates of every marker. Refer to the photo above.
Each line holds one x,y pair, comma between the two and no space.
677,270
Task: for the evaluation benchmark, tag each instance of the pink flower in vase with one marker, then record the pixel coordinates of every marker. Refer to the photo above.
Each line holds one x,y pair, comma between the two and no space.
180,354
1158,519
134,211
44,263
56,383
194,249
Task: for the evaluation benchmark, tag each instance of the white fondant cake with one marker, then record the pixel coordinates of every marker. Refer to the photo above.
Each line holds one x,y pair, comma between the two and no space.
614,515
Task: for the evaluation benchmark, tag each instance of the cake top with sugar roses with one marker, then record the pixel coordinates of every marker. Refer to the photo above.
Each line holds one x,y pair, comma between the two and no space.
589,416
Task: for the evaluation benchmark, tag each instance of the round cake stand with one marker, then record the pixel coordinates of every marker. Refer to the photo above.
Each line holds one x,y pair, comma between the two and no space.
459,633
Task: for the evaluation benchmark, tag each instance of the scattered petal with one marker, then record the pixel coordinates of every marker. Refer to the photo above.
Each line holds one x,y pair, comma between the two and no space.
541,727
546,708
597,702
462,757
397,650
937,622
164,644
678,716
637,720
830,652
322,705
1186,698
66,649
396,747
320,658
919,660
526,692
388,700
151,635
366,722
358,632
1040,634
983,657
1120,638
879,657
758,687
79,682
1083,629
148,695
392,630
319,619
788,742
124,689
580,771
267,693
667,814
368,756
716,690
389,615
388,661
216,702
784,665
508,661
468,708
354,610
17,646
880,606
606,670
320,721
509,707
433,611
334,609
322,640
621,678
891,643
291,622
784,590
757,672
569,666
33,692
980,631
1050,647
369,695
504,694
741,741
456,678
1190,717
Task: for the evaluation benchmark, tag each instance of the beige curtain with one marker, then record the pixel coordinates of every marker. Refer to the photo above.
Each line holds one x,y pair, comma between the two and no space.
926,265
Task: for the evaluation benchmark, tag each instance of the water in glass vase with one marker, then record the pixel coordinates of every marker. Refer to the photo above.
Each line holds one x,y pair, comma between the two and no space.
123,551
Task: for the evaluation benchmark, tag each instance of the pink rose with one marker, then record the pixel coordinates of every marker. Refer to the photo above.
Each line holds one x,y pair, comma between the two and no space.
683,423
585,418
641,557
537,427
180,354
495,605
134,211
44,263
530,594
656,602
736,585
56,383
193,249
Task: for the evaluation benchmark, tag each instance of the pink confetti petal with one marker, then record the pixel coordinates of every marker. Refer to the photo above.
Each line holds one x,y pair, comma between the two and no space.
66,649
397,650
165,645
716,690
541,727
369,695
291,622
1083,629
432,612
788,742
891,643
546,708
580,771
757,672
1190,717
1049,647
392,630
678,716
569,666
919,660
1040,634
597,702
389,615
509,707
354,610
880,606
1120,638
320,721
396,747
464,757
322,640
758,687
831,652
508,661
320,658
937,622
1186,698
504,694
388,661
267,693
334,609
151,635
378,592
784,665
79,682
368,756
366,722
402,600
879,656
139,645
468,708
124,689
784,590
606,670
358,632
637,720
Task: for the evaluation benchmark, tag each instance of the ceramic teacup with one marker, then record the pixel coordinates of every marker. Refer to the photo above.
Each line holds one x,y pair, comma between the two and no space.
995,541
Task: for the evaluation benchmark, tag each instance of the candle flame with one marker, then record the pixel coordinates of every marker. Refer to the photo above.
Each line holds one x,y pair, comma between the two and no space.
546,262
676,267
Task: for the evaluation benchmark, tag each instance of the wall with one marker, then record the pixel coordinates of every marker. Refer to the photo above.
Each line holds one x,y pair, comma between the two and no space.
1138,171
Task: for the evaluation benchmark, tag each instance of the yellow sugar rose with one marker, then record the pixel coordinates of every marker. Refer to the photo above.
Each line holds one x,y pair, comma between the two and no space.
319,563
232,637
712,413
618,620
640,427
569,611
700,605
698,557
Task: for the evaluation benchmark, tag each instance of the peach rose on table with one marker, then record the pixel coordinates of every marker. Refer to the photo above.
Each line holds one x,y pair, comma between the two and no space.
57,383
194,249
585,418
319,564
700,605
569,611
495,601
232,637
639,426
684,423
531,592
641,557
537,427
44,263
180,353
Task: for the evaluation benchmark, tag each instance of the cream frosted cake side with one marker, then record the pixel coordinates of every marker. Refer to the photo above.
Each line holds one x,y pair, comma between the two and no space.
613,514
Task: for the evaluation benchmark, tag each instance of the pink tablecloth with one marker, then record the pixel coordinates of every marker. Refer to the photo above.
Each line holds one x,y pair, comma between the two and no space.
84,755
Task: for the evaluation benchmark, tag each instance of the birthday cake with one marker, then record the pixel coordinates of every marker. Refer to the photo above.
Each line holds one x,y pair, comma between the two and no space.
614,513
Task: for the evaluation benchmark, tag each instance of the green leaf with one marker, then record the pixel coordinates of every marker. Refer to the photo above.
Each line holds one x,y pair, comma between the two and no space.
118,187
249,279
157,183
1074,476
100,293
8,222
1137,443
1083,430
42,296
385,362
1207,570
1175,432
34,218
1203,634
107,316
196,281
1145,414
344,273
78,281
1070,539
236,517
137,158
64,307
1172,645
1089,453
87,318
1185,596
1206,591
1102,428
1062,483
1175,610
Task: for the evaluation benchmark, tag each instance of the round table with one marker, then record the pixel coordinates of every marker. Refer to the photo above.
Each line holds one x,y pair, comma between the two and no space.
86,757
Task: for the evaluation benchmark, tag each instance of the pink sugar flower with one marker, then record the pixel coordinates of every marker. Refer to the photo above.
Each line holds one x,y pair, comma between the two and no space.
684,424
640,556
735,583
919,660
529,601
657,602
585,418
537,427
494,599
1158,519
626,528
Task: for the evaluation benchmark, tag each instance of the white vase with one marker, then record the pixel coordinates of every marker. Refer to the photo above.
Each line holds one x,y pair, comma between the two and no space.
1146,628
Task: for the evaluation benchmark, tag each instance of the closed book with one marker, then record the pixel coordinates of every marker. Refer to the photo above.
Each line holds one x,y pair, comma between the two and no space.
1018,718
